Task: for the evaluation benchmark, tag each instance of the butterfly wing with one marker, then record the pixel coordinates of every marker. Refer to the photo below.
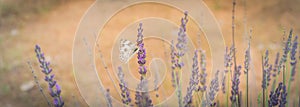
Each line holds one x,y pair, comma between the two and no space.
127,50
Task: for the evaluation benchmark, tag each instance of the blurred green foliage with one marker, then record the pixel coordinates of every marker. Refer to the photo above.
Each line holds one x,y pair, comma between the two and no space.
14,12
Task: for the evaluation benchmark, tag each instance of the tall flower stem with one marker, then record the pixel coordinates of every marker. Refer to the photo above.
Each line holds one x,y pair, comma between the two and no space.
246,71
293,63
247,90
228,86
263,73
38,83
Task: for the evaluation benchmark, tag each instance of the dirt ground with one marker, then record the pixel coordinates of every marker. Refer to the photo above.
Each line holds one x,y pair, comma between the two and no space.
54,31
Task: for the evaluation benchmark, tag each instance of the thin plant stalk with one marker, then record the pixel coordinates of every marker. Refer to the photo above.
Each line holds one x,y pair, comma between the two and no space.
279,66
38,83
103,62
283,74
247,89
247,63
228,86
263,73
288,91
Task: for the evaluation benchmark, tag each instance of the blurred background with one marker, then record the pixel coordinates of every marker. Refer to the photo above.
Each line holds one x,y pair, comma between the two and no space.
53,23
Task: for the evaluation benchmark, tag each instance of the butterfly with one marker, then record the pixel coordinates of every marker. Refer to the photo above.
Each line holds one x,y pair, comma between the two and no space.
127,50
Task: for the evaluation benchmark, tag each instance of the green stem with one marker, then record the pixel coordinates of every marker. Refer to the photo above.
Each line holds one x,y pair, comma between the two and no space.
263,73
263,97
227,92
266,96
247,89
283,74
289,88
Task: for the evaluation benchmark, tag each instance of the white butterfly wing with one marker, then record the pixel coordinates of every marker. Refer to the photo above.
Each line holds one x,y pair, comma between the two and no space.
127,50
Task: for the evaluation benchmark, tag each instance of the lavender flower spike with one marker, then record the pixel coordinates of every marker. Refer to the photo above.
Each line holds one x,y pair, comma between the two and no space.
203,73
194,81
109,100
283,96
267,71
247,60
182,40
224,84
286,50
213,89
142,52
125,93
54,91
276,66
235,85
142,98
293,58
173,61
274,96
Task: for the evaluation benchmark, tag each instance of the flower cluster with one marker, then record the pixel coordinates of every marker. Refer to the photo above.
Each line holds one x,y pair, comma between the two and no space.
53,87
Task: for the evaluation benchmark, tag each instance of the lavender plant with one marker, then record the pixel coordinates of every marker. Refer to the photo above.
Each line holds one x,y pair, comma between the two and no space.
194,81
235,87
293,63
125,93
181,46
283,96
212,92
49,78
228,64
266,69
203,74
286,50
38,83
246,65
142,97
108,97
173,62
274,96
